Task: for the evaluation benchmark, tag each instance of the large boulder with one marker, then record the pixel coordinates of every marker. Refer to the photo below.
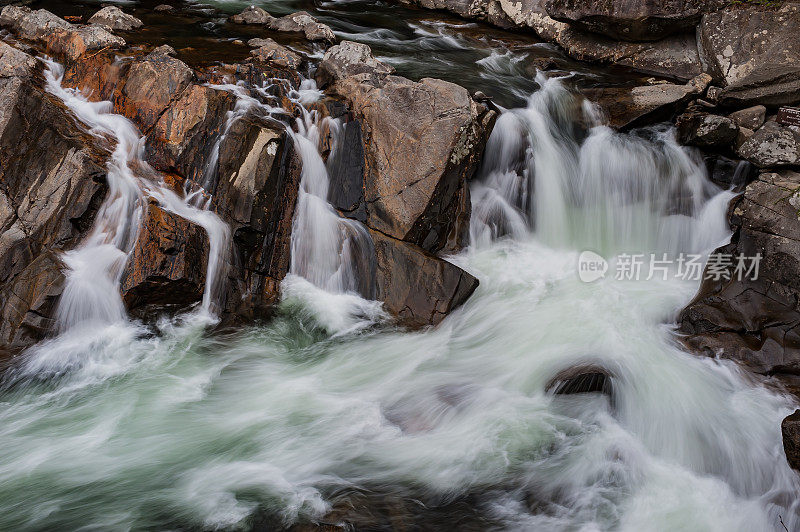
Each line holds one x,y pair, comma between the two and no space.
349,59
772,145
183,138
269,51
790,429
151,85
116,19
167,266
415,286
52,182
627,107
632,20
422,142
755,319
754,52
255,194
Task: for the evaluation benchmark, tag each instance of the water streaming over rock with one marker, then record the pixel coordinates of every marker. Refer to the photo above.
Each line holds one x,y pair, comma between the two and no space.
187,430
91,296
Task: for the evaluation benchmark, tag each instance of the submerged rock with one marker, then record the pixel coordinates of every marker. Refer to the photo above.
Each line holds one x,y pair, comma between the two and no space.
581,379
116,19
642,20
790,429
755,321
51,185
167,267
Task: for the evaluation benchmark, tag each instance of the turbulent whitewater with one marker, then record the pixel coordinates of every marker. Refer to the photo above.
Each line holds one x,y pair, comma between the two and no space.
120,429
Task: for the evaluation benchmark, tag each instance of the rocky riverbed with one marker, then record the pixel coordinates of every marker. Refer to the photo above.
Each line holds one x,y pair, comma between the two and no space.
267,146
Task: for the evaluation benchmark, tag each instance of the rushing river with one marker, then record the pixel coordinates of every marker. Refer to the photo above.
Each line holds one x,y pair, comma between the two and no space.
330,411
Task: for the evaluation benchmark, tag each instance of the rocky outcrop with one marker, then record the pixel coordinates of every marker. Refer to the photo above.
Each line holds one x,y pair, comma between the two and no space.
150,86
167,265
416,287
422,142
184,136
51,185
755,321
268,51
255,194
350,59
751,118
754,53
116,19
300,22
772,145
790,429
55,34
707,130
632,20
632,107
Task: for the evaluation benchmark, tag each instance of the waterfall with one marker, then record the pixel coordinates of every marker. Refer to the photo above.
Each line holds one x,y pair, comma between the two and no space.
332,252
552,169
91,296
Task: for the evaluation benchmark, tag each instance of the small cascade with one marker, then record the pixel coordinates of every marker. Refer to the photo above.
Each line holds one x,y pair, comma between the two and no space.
331,252
91,295
551,168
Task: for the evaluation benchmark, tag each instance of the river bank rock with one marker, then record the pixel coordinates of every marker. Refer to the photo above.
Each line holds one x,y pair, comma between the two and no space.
641,20
790,430
415,286
628,107
167,267
255,194
51,184
422,142
772,145
755,321
116,19
754,52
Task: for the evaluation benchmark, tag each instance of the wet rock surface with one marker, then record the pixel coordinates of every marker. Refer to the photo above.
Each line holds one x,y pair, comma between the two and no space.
772,145
790,429
707,130
51,185
755,321
300,22
167,267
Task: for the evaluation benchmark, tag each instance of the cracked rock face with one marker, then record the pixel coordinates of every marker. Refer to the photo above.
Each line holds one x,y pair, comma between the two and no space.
756,321
754,53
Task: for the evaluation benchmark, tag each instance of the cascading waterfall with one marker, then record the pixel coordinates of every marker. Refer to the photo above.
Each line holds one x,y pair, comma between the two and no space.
327,249
91,296
282,424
